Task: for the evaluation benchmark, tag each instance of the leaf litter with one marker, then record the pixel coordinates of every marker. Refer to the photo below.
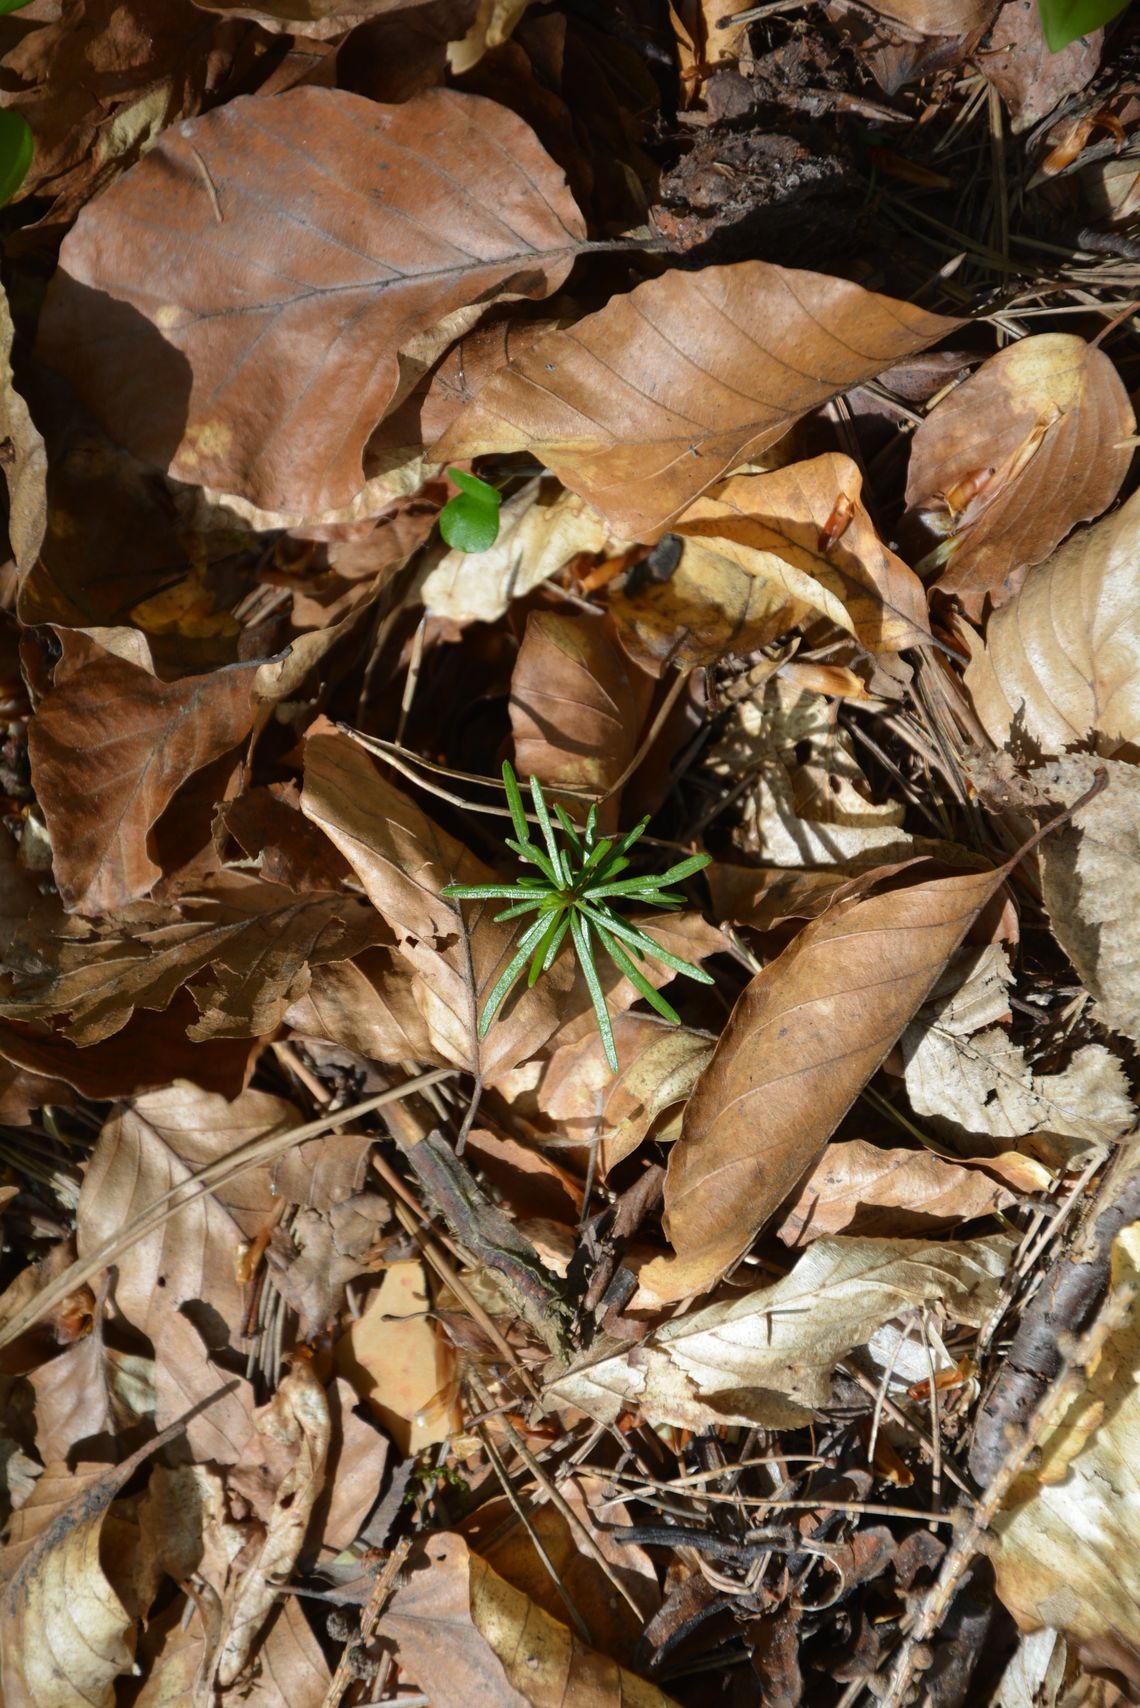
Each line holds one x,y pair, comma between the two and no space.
722,417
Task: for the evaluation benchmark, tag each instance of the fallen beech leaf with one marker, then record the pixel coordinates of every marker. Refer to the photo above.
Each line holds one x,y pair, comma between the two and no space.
25,471
110,745
64,1634
1065,1553
90,1390
403,860
1062,661
464,1635
192,1255
97,83
294,246
757,560
258,942
973,1084
615,1627
937,17
292,1671
368,1005
1033,81
577,706
740,352
184,1376
319,19
298,1417
1091,884
398,1363
859,1189
767,1358
1043,426
805,1036
536,539
658,1065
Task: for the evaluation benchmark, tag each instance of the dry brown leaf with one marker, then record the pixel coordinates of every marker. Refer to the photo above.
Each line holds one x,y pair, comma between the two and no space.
974,1085
403,860
491,26
305,241
538,534
358,1455
577,706
291,1673
298,1418
142,1152
807,800
368,1005
257,941
758,558
1062,661
1066,1537
184,1376
396,1361
463,1635
658,1065
316,19
767,1358
1091,884
803,1039
25,463
859,1189
1031,444
110,746
614,1625
936,17
99,81
90,1390
65,1636
1032,81
739,352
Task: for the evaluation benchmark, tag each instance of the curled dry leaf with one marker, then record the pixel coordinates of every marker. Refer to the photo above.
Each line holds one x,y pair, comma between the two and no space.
1033,81
577,706
291,1668
805,1036
1090,882
767,1358
1031,444
1066,1541
257,940
298,1418
739,352
937,17
398,1363
859,1189
1062,660
538,534
319,19
294,246
403,860
110,745
658,1065
761,554
25,472
65,1636
463,1635
368,1005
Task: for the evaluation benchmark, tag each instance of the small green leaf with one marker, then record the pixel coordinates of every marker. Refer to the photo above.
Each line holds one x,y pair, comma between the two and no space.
16,149
470,521
1063,21
7,6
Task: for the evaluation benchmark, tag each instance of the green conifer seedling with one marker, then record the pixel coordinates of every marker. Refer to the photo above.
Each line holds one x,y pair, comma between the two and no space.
573,895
